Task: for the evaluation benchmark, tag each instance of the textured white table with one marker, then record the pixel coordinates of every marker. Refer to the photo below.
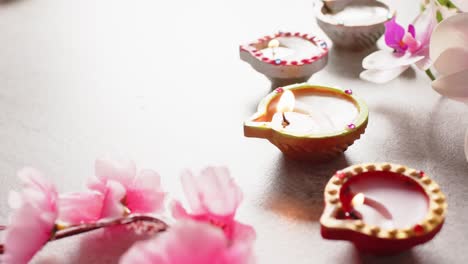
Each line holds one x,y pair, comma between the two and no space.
162,83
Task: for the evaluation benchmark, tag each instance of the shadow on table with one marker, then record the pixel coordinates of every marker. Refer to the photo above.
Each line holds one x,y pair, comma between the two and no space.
407,257
347,63
297,187
7,2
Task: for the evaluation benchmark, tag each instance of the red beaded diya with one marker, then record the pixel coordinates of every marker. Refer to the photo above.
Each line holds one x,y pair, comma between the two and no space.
382,208
321,123
286,57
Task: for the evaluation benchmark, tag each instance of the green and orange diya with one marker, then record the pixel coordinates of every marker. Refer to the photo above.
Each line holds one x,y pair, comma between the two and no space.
309,122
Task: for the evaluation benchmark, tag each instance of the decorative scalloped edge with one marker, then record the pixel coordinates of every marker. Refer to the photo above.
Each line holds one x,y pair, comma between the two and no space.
250,48
263,108
434,218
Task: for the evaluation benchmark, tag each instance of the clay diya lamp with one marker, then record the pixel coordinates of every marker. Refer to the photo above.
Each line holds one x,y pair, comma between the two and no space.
353,24
309,122
382,208
286,57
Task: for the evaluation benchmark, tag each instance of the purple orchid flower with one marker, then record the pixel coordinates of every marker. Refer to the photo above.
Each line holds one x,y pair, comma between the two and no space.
409,47
400,40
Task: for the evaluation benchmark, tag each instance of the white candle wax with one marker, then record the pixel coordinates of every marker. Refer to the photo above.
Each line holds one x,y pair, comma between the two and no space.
317,114
292,48
356,14
407,205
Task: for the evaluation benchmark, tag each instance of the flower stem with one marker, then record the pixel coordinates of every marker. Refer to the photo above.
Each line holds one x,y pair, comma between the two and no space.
429,73
159,225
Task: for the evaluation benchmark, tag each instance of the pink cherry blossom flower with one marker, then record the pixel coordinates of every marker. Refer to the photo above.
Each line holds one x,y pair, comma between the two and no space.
408,47
188,242
214,198
116,190
32,223
449,51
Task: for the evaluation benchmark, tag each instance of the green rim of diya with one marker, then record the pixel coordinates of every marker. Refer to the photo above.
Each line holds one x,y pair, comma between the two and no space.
262,110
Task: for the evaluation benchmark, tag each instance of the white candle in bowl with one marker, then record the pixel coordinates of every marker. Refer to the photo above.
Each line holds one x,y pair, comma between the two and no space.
393,203
358,14
314,113
290,48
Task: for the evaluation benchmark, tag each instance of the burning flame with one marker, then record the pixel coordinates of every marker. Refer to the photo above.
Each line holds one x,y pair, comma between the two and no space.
286,102
274,43
358,200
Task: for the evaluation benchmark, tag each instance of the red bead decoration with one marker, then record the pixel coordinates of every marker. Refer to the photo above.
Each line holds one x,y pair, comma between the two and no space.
418,229
421,174
340,175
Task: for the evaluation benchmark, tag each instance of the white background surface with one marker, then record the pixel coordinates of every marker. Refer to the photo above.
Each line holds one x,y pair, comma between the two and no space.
161,82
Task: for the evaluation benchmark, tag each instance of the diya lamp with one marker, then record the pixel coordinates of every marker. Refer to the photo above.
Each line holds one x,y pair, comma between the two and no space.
382,208
353,24
286,57
309,122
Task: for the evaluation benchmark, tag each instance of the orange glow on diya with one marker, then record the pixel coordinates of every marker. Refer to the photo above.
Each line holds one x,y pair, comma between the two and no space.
309,122
382,208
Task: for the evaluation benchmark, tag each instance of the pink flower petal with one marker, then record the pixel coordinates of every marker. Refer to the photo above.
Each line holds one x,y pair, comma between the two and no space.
394,33
426,62
243,233
424,25
186,242
123,171
452,60
192,194
112,204
450,33
461,4
77,208
145,195
385,60
382,76
32,224
178,211
413,44
454,86
221,196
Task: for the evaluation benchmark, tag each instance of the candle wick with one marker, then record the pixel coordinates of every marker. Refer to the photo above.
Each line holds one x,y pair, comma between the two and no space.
285,122
353,215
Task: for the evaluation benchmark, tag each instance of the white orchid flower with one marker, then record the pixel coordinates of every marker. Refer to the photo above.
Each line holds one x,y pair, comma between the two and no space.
449,50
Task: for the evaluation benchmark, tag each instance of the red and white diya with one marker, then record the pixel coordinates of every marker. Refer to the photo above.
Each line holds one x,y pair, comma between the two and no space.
286,57
382,208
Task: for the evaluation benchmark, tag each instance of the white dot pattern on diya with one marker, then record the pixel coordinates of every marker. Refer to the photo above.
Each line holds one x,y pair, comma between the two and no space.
294,49
435,216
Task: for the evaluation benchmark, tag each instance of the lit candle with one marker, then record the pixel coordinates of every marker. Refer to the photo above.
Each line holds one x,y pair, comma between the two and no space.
393,196
286,58
309,122
290,49
382,208
313,113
